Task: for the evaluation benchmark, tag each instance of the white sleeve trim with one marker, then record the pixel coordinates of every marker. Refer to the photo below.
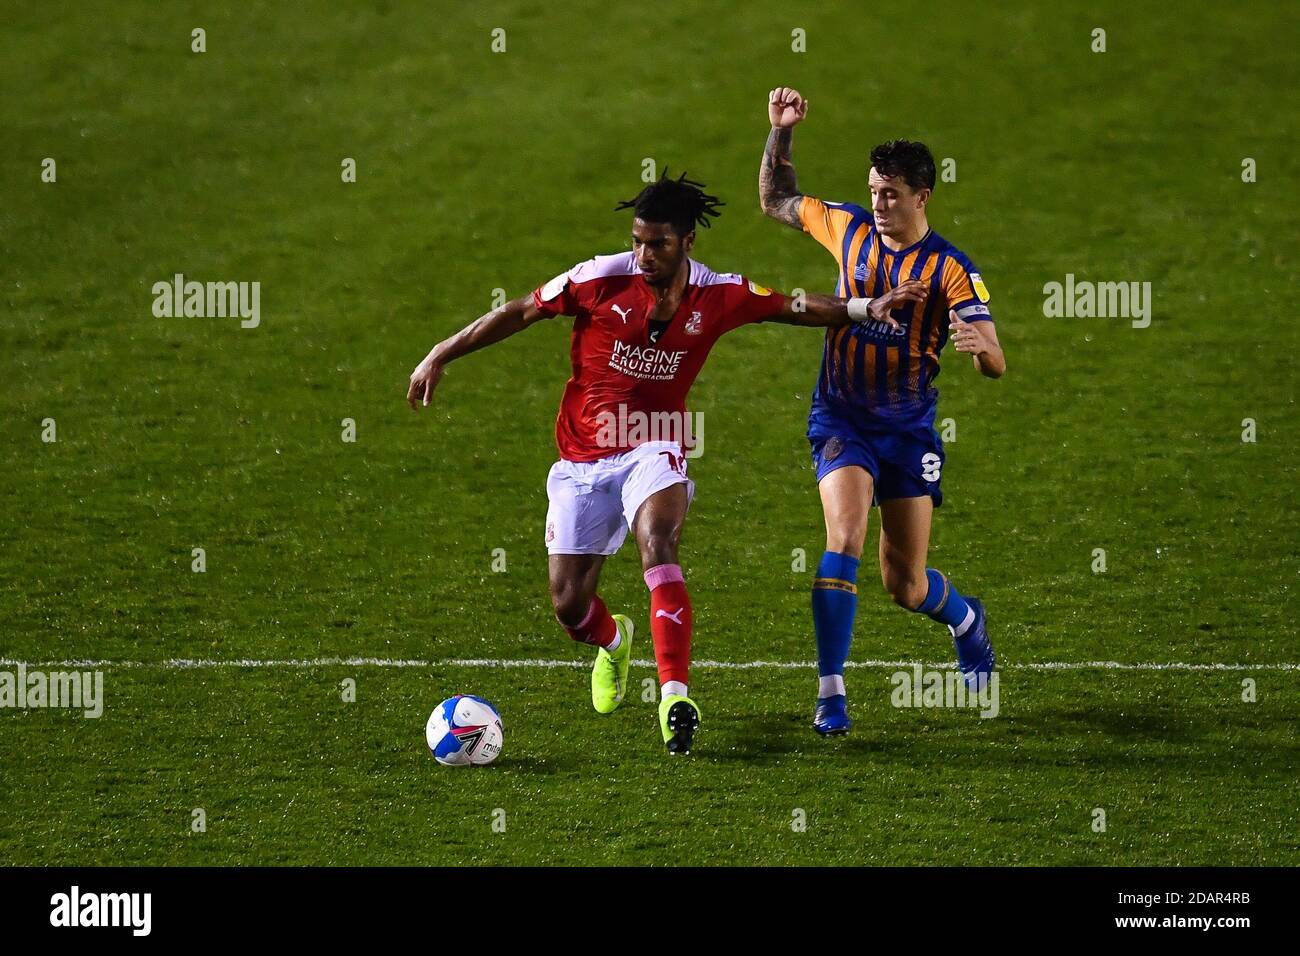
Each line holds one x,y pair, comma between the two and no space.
974,308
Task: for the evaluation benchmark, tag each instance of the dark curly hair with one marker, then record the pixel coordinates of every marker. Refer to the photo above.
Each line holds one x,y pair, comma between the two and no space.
902,157
679,202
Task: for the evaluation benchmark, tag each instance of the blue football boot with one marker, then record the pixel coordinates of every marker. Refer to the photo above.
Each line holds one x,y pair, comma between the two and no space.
975,654
831,718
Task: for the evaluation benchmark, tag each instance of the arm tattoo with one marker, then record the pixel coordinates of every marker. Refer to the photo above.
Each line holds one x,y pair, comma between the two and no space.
778,192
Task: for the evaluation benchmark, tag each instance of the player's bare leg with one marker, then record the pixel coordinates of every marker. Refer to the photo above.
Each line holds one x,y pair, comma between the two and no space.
658,530
574,579
846,505
904,547
581,612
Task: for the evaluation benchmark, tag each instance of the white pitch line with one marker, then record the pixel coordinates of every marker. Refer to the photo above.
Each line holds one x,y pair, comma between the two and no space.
208,664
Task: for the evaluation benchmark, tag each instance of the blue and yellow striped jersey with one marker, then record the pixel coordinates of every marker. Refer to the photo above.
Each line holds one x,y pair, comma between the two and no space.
869,371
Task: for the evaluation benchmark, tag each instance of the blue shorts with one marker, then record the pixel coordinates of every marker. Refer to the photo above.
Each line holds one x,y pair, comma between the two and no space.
903,463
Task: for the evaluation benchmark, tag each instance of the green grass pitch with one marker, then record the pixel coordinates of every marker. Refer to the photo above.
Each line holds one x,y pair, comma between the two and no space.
481,170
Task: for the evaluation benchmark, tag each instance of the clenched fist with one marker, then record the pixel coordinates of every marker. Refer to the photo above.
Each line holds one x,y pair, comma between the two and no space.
785,107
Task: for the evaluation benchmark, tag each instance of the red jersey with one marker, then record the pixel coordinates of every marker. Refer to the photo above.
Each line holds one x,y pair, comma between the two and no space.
618,371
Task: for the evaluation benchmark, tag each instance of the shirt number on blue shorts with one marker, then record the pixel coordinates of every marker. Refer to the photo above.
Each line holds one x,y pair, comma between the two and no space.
930,465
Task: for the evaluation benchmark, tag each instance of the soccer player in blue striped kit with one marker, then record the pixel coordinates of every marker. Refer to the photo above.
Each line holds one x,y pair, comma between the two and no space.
872,421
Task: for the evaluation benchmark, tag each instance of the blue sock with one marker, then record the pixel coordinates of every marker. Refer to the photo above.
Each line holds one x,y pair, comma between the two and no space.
834,601
942,602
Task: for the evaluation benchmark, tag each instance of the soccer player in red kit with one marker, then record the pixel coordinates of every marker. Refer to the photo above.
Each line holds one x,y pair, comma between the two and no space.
645,321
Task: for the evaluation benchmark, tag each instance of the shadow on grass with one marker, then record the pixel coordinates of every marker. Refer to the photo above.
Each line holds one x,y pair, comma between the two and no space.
1093,738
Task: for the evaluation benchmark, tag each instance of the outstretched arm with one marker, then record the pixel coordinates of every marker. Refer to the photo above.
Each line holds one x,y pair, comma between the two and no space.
778,191
823,310
514,316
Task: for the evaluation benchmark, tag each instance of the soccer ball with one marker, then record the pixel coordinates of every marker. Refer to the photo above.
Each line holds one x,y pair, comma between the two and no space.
464,731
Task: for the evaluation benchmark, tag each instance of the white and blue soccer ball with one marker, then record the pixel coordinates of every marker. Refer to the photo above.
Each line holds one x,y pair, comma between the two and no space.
464,731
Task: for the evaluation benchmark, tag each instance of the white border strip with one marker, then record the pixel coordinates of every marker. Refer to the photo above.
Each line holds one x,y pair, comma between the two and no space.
208,664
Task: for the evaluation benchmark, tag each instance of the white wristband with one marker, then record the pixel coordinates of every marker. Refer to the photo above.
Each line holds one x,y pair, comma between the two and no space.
860,309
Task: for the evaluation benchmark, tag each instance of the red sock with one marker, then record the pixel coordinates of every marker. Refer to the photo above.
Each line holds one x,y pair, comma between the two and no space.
597,627
670,621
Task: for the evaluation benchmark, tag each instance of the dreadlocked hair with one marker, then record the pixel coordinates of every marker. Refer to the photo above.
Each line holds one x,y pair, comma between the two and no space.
680,202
